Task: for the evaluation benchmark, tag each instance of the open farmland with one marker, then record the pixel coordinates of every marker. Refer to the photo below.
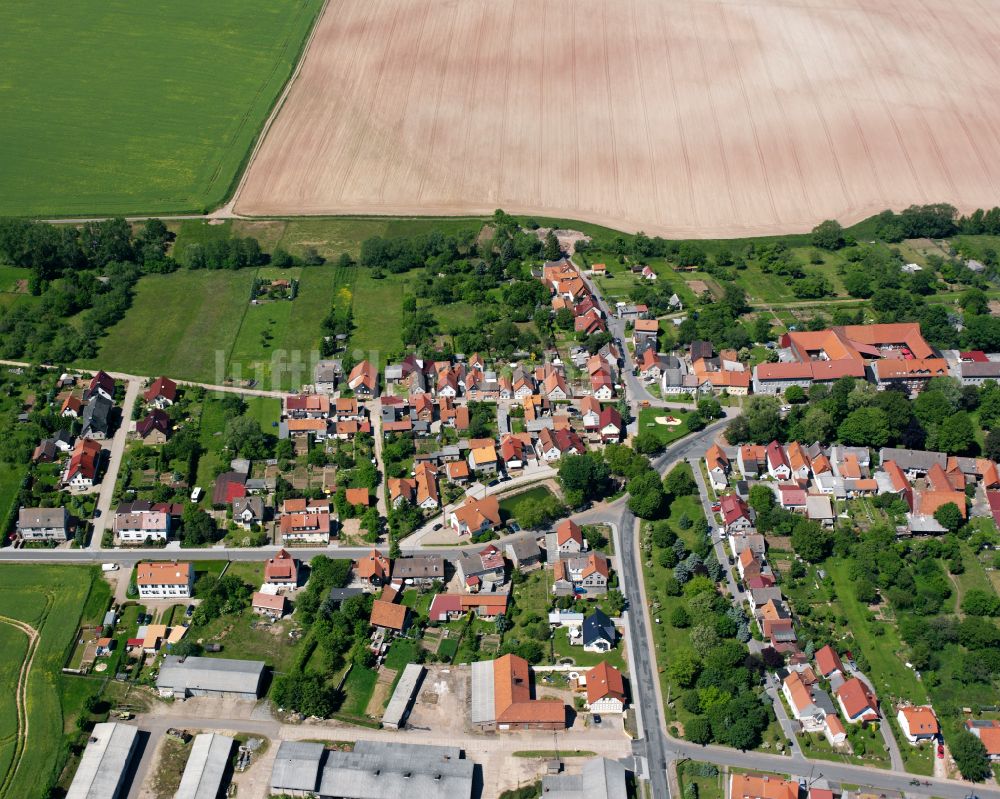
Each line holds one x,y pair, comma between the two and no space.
113,107
682,118
50,599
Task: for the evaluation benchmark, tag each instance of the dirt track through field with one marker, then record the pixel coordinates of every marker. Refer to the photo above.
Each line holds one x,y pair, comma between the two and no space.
679,117
20,699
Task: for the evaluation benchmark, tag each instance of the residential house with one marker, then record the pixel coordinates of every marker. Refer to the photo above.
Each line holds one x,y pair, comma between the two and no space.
457,472
274,606
373,569
138,527
514,449
162,393
987,731
828,662
605,689
482,571
363,380
476,516
819,509
857,702
777,462
97,418
590,413
282,571
736,514
84,461
72,407
602,385
419,570
307,406
800,700
569,537
525,554
599,634
753,786
305,528
164,580
752,460
611,427
359,497
248,511
918,723
585,574
154,428
101,384
645,331
798,461
717,465
389,616
326,373
791,497
43,524
484,459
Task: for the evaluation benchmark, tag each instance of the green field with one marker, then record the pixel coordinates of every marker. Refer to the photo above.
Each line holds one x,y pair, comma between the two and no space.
50,598
179,325
199,325
663,433
511,505
148,108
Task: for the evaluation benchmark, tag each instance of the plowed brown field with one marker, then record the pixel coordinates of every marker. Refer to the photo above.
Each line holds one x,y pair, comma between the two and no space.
683,117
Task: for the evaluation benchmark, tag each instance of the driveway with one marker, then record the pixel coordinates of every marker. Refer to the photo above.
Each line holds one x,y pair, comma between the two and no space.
117,449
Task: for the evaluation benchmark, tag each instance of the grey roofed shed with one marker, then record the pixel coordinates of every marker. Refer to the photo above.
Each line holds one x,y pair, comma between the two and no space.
206,767
600,778
402,698
105,760
296,766
198,676
383,770
483,709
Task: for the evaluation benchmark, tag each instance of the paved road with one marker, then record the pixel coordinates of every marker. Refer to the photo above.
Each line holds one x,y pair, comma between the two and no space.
118,443
375,412
531,475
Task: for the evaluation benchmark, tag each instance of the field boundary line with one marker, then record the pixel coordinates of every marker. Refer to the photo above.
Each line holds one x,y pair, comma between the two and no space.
226,210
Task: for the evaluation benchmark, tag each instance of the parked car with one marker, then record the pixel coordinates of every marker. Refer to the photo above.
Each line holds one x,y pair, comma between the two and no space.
940,751
190,611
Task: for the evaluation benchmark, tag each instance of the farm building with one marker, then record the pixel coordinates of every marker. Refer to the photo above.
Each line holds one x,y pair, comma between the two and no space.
600,778
218,677
206,767
402,698
374,770
101,773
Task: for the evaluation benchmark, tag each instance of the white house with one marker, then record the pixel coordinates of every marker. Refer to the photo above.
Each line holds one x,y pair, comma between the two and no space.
164,580
134,528
605,689
918,723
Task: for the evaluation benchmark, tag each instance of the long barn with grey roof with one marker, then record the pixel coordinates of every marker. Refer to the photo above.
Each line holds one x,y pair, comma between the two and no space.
206,767
102,769
374,770
220,677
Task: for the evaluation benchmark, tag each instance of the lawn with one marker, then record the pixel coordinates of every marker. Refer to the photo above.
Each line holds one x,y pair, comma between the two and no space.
52,599
279,340
245,636
665,434
358,690
562,648
892,680
182,325
10,481
117,108
510,506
